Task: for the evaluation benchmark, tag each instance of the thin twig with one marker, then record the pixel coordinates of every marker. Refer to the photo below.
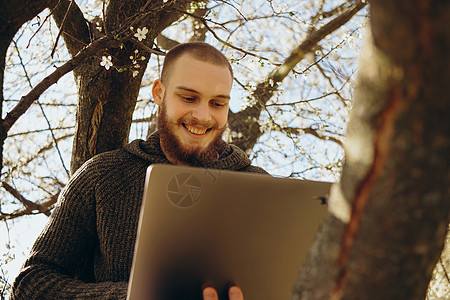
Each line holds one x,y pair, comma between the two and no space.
39,131
40,27
147,48
43,112
445,270
61,28
301,101
234,7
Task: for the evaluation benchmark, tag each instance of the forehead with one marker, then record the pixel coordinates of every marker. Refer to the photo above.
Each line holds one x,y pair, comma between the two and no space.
200,75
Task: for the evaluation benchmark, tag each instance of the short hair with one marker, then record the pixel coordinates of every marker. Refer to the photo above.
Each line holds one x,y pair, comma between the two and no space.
199,50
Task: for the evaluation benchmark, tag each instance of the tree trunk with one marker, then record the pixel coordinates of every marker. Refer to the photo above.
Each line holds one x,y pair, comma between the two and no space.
389,213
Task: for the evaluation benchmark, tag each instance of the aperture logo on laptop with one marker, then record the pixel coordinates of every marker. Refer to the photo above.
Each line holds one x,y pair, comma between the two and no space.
184,190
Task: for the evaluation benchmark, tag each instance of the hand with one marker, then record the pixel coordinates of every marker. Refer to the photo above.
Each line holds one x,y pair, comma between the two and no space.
234,293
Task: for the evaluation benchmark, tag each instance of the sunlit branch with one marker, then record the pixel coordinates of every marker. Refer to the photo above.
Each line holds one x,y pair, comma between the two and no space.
327,14
444,269
147,48
279,73
205,23
235,8
266,89
36,32
40,152
29,205
281,15
43,130
311,131
26,101
303,101
300,173
330,81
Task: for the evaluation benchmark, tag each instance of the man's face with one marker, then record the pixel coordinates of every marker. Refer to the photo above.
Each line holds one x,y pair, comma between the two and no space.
194,108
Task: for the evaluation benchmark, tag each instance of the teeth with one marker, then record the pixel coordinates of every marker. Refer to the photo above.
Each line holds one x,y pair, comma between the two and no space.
195,130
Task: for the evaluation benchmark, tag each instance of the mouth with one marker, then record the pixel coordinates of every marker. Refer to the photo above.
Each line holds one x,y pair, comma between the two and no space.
195,130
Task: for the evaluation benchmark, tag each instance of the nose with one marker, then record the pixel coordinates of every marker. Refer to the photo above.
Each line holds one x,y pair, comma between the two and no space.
202,113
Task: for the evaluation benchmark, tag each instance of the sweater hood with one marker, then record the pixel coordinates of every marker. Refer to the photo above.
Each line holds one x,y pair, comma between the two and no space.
230,156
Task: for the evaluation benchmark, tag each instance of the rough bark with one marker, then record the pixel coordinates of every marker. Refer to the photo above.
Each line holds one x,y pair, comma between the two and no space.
389,213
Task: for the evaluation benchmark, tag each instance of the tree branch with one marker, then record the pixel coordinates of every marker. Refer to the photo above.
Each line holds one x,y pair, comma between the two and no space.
266,89
26,101
29,205
22,212
280,72
311,131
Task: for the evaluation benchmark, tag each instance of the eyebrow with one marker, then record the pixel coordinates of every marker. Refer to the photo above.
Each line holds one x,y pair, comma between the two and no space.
197,92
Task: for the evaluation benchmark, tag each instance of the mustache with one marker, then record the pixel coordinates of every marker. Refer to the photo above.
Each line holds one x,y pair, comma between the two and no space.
195,122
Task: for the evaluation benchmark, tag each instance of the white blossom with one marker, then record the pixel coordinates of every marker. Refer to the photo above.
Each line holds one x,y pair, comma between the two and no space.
141,34
106,62
235,135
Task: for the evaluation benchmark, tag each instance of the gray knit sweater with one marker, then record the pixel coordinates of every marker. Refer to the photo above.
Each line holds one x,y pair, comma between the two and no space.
86,249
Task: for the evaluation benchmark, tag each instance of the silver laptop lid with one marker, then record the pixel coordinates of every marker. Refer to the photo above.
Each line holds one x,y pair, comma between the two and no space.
220,227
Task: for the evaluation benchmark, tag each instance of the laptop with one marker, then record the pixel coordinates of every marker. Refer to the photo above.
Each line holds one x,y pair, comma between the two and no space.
212,227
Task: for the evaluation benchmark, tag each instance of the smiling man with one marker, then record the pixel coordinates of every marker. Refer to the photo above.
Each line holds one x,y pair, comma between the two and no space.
86,250
193,93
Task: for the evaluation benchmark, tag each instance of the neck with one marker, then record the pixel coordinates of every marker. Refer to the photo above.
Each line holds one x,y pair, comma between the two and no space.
204,157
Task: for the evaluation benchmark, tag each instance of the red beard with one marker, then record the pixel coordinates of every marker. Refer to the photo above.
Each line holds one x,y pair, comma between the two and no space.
175,150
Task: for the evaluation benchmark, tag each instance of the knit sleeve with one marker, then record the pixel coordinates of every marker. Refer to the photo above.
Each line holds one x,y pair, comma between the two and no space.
56,268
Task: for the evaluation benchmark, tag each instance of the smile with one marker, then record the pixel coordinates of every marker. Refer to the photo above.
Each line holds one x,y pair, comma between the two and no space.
196,131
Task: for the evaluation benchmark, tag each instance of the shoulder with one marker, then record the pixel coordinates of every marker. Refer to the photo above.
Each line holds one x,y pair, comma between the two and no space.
103,165
109,160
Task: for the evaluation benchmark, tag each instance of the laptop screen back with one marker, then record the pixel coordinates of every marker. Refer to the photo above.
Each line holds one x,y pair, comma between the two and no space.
202,226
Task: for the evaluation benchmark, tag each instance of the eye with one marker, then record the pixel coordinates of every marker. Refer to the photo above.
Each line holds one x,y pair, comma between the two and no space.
218,104
188,98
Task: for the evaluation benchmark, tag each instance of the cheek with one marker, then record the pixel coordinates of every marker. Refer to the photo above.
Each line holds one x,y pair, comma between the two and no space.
222,118
176,112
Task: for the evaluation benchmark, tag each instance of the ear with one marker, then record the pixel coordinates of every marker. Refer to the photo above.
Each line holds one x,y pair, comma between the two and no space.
158,90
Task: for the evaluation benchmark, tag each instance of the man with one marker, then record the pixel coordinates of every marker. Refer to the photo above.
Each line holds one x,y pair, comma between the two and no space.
86,249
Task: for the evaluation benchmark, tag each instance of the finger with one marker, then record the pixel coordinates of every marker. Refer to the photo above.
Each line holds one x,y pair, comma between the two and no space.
210,293
235,293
